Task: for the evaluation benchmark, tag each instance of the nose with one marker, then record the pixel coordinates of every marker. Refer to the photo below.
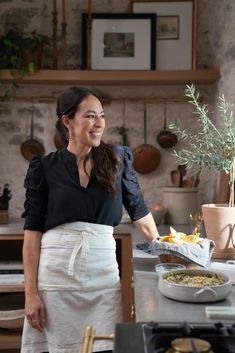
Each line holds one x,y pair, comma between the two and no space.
99,120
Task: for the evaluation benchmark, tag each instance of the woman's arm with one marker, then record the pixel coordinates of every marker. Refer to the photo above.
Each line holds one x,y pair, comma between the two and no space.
34,308
147,227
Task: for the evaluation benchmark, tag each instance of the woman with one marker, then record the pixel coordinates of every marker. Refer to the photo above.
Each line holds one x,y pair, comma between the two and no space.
74,198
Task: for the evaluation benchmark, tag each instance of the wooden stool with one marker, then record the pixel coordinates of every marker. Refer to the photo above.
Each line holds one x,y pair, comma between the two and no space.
89,338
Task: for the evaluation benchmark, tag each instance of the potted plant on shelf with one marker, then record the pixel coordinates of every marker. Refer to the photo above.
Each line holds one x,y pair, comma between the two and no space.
32,50
5,196
22,54
213,148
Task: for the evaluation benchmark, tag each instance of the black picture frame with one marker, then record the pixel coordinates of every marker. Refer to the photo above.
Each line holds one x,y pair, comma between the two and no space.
139,36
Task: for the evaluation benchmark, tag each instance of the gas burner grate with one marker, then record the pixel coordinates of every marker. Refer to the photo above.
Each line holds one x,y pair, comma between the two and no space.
158,336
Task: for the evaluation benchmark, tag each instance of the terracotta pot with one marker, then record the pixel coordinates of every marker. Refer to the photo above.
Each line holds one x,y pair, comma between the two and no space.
4,205
4,216
33,56
219,220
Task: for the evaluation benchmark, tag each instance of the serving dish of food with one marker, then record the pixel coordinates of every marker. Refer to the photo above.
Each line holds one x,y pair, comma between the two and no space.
195,285
186,249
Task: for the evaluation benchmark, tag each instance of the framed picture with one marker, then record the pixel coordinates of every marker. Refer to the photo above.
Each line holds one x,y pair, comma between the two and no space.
175,31
167,27
119,41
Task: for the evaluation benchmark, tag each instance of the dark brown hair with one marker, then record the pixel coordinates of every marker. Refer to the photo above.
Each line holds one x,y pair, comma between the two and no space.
106,162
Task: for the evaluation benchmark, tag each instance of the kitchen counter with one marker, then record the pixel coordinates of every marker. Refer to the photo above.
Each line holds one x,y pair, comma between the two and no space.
14,229
150,304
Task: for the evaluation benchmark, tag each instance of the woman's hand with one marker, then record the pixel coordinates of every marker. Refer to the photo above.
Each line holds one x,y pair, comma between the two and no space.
34,307
35,312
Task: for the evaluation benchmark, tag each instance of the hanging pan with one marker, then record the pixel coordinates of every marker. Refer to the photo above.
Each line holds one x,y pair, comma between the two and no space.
32,147
165,138
146,157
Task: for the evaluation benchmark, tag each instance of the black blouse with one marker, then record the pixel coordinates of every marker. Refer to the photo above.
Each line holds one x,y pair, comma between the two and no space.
54,195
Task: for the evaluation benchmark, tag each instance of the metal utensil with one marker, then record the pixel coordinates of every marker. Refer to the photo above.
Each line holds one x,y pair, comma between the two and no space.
175,177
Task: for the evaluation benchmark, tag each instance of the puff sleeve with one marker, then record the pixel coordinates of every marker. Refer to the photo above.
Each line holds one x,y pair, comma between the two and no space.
36,196
131,195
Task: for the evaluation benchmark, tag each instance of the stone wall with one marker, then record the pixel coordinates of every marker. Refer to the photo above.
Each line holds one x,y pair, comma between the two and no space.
215,48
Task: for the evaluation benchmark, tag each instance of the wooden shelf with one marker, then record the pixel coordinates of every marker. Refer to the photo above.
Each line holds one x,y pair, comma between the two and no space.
83,77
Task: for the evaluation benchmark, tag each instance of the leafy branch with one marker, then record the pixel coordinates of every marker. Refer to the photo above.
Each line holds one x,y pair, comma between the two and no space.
210,147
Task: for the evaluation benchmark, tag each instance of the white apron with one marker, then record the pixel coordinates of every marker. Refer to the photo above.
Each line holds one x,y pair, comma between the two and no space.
78,281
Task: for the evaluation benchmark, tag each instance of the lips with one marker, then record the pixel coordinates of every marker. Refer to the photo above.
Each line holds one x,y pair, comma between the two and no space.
96,134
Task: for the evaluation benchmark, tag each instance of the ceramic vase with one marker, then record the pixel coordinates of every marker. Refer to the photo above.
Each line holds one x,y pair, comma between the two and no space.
180,203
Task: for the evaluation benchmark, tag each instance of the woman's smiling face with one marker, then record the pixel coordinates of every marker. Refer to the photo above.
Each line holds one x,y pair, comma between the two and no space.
87,126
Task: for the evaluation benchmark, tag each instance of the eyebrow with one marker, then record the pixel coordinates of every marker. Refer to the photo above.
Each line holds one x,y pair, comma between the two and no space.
93,111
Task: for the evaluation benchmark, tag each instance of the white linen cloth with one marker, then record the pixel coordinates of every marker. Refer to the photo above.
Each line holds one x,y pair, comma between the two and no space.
78,281
199,253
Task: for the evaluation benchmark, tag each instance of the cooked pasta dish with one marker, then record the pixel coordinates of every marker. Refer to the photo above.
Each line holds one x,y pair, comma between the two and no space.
194,280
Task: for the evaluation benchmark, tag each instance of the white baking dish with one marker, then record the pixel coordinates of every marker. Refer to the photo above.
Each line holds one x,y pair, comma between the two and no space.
203,294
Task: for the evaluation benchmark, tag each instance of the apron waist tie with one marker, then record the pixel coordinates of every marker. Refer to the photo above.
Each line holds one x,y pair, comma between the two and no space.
82,244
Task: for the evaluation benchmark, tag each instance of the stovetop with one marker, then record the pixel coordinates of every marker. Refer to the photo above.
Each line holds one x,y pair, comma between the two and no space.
156,337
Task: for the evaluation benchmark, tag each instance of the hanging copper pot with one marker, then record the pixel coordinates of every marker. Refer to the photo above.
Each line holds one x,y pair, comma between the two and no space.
165,138
32,147
146,157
